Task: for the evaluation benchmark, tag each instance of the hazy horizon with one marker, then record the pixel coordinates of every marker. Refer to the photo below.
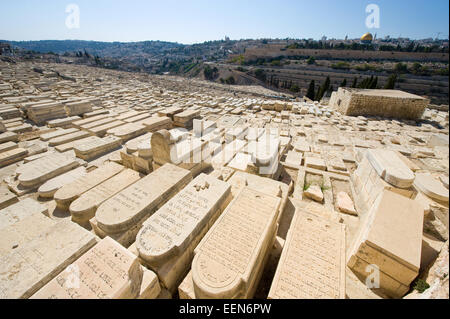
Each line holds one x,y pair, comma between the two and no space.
198,21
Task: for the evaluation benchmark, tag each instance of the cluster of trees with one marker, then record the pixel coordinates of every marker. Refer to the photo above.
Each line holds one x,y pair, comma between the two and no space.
367,83
229,80
210,73
324,88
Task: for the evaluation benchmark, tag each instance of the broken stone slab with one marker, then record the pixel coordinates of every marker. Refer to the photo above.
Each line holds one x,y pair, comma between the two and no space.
49,188
133,205
229,260
345,204
431,187
84,207
390,239
167,239
312,264
390,168
106,271
41,170
28,268
69,192
315,193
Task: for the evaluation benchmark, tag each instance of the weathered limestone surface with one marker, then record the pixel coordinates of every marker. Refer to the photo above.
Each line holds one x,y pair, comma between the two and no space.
229,260
431,187
387,103
67,138
28,268
69,192
167,239
390,168
96,146
312,264
84,207
21,223
49,188
139,201
106,271
390,239
41,170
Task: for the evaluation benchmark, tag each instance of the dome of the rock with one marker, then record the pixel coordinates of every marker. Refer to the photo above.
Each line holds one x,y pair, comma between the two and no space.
368,37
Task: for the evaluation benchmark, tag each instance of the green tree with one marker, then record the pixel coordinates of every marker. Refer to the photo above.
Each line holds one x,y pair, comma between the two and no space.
390,84
355,82
323,89
343,83
401,68
311,90
311,60
374,83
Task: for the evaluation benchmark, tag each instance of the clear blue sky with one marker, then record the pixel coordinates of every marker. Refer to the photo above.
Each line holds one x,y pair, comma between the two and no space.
192,21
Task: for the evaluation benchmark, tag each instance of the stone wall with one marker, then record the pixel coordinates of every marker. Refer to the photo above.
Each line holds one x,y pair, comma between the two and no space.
385,103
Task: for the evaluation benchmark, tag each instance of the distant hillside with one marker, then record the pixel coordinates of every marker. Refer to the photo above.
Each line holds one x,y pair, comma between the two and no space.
103,49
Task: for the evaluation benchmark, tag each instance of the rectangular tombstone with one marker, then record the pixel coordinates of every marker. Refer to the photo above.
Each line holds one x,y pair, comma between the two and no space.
99,122
106,271
230,258
129,208
84,207
79,107
96,146
58,133
9,136
67,138
69,192
8,146
102,129
391,239
29,267
90,119
128,131
12,156
41,170
167,239
312,264
155,123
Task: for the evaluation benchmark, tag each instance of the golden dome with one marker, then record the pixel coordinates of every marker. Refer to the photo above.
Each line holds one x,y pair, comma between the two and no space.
367,37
